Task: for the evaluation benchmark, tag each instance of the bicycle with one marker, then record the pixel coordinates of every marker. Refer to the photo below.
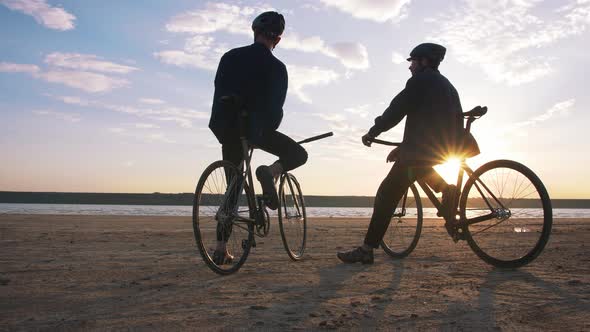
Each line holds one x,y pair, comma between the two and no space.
495,211
227,208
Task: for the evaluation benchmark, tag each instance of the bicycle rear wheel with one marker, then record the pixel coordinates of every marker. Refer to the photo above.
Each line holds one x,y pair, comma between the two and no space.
508,214
405,227
292,217
219,215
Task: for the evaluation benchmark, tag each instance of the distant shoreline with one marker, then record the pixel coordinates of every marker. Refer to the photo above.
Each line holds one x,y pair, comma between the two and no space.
187,199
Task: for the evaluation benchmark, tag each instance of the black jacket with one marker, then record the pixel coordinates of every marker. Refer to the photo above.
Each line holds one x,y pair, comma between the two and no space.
254,74
434,127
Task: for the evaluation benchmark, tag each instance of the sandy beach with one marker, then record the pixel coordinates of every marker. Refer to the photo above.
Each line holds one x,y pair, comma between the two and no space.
144,273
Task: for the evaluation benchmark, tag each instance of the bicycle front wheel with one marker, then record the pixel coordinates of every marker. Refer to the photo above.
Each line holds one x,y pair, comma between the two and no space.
220,214
507,214
292,217
405,227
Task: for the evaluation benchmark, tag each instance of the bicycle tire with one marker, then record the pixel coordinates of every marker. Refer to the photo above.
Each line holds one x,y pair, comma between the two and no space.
524,229
292,216
210,196
399,241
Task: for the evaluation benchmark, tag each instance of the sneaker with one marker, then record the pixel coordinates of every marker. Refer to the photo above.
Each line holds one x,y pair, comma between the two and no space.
267,182
222,257
356,255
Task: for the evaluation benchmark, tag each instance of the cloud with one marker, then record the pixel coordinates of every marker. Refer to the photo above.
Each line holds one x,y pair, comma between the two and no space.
151,101
333,117
183,122
350,55
398,58
86,62
505,38
362,110
375,10
300,77
311,7
86,81
346,139
80,71
146,126
59,115
184,117
559,109
51,17
201,51
341,124
73,100
159,137
215,17
7,67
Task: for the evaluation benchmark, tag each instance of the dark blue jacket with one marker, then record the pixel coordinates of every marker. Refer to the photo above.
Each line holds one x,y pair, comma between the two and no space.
254,74
434,124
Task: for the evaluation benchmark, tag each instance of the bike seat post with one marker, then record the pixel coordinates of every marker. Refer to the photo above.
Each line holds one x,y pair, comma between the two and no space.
469,122
243,126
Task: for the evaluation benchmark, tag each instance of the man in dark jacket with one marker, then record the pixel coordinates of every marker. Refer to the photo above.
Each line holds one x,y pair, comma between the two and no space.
433,130
259,80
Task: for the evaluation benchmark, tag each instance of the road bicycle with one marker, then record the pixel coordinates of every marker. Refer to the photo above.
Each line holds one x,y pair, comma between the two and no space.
227,208
502,210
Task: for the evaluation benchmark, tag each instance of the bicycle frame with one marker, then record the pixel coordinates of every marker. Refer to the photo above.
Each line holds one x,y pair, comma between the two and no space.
464,168
479,185
247,180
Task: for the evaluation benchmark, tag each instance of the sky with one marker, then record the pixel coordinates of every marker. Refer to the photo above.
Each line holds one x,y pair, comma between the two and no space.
113,96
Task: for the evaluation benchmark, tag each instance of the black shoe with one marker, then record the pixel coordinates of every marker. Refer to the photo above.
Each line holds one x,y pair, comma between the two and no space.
222,257
356,255
267,182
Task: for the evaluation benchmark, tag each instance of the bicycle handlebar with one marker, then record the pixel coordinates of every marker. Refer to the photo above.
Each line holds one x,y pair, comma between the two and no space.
315,138
378,141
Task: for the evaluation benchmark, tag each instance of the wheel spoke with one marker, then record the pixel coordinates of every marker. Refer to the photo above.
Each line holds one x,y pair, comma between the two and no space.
403,233
518,228
216,218
292,219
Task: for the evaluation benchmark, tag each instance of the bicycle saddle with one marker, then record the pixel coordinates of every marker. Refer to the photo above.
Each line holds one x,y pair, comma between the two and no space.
477,111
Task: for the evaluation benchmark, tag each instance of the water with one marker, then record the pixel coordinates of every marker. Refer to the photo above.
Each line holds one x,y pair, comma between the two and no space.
178,210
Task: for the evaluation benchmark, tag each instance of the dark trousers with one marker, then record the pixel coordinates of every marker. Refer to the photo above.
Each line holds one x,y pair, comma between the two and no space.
291,155
391,190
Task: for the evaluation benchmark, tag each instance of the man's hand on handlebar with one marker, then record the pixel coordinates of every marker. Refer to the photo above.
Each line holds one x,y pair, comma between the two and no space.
367,139
393,155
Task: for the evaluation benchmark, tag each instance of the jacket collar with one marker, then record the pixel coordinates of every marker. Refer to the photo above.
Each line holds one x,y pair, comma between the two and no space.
261,45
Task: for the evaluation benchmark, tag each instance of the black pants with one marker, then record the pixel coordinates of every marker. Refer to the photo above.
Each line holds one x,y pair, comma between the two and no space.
291,155
391,190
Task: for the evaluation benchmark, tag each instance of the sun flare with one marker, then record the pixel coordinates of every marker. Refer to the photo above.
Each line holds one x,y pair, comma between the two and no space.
449,170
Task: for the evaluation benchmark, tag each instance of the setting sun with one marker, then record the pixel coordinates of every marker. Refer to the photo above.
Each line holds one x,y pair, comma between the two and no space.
449,170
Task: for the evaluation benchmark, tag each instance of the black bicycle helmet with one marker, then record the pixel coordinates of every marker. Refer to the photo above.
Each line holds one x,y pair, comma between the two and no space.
270,23
430,51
